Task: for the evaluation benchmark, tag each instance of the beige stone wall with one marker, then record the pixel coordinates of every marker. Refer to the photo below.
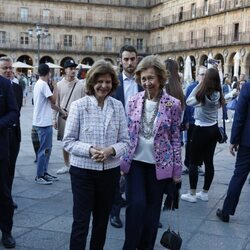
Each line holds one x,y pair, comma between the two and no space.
158,26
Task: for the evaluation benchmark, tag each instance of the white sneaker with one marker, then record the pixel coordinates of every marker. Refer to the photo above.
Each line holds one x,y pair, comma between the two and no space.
188,197
63,170
227,120
202,196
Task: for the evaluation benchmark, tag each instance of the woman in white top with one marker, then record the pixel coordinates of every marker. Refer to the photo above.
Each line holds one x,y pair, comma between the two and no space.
96,136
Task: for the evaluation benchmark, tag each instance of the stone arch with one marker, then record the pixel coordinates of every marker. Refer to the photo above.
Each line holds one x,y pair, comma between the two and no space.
203,60
25,59
88,61
193,66
46,59
109,60
181,64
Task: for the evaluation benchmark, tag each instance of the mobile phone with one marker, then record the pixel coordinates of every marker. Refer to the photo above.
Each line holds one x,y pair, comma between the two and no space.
213,61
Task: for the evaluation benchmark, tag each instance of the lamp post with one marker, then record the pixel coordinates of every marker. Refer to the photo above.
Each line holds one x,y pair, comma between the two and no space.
40,33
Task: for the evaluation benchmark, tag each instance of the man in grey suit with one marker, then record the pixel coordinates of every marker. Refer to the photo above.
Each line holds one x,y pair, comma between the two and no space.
240,142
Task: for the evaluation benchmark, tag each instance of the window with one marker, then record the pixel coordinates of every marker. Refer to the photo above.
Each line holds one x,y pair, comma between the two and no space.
181,14
2,37
127,41
24,38
191,37
139,44
46,13
236,32
67,40
89,42
68,16
89,17
193,10
221,4
204,36
205,7
108,43
24,14
219,38
236,2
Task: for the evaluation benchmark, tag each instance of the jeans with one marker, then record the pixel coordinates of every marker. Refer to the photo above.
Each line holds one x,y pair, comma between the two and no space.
44,151
93,193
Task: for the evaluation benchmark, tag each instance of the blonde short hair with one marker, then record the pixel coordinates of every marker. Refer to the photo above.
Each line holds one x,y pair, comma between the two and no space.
155,63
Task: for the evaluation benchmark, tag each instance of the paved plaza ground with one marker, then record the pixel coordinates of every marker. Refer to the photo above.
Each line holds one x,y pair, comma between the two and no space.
44,215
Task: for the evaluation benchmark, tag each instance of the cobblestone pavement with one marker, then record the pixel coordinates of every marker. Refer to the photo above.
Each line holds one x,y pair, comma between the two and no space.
43,218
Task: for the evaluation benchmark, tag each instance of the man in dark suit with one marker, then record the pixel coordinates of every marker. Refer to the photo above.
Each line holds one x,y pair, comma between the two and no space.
9,115
239,142
6,71
127,88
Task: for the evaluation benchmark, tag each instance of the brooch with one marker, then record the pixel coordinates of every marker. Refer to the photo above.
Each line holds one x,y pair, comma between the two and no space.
169,104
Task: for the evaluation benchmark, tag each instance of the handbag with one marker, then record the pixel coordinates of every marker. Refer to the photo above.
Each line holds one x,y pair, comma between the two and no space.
232,104
170,239
222,135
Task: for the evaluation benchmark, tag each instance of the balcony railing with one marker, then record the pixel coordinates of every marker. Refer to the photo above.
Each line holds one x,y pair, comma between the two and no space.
76,22
61,48
210,42
213,9
127,3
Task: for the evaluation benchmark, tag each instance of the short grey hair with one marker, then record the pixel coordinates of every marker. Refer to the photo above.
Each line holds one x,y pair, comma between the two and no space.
6,59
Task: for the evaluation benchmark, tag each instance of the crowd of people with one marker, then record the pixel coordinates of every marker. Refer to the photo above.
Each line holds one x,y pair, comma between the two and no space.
122,132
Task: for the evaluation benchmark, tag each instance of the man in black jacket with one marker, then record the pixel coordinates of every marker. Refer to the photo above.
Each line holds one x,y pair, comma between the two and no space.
6,70
9,115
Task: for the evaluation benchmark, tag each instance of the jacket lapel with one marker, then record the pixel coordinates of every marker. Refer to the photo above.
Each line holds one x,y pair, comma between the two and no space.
109,114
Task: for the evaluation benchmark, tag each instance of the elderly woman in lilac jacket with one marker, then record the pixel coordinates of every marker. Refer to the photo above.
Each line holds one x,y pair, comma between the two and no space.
154,155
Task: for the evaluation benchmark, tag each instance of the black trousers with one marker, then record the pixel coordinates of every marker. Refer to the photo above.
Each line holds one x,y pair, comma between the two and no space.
242,169
93,193
203,143
187,148
14,150
6,205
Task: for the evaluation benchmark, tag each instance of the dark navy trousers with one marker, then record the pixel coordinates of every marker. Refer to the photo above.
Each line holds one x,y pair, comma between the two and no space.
144,198
242,169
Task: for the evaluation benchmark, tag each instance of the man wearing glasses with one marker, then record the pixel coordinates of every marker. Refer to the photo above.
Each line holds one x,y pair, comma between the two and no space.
6,70
70,89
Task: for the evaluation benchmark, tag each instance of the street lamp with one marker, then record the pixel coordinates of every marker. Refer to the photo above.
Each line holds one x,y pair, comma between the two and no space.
40,33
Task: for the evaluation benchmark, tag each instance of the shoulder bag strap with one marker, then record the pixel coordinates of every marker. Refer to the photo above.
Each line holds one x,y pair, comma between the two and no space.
70,95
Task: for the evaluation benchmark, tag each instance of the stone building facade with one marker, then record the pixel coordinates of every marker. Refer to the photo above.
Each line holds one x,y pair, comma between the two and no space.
88,30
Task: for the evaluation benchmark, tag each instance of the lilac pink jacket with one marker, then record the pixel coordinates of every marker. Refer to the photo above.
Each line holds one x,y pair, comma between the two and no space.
167,141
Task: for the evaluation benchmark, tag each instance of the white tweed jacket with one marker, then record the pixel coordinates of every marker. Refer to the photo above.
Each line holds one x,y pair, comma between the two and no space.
89,125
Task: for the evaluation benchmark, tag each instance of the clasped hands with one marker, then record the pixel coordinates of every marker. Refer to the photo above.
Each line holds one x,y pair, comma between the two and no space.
101,154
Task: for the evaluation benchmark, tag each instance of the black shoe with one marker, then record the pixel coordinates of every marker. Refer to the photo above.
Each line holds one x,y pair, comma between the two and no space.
115,221
8,241
222,216
160,225
15,206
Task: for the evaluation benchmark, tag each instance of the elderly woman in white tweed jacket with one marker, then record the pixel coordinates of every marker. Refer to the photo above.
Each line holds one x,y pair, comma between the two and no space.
96,136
